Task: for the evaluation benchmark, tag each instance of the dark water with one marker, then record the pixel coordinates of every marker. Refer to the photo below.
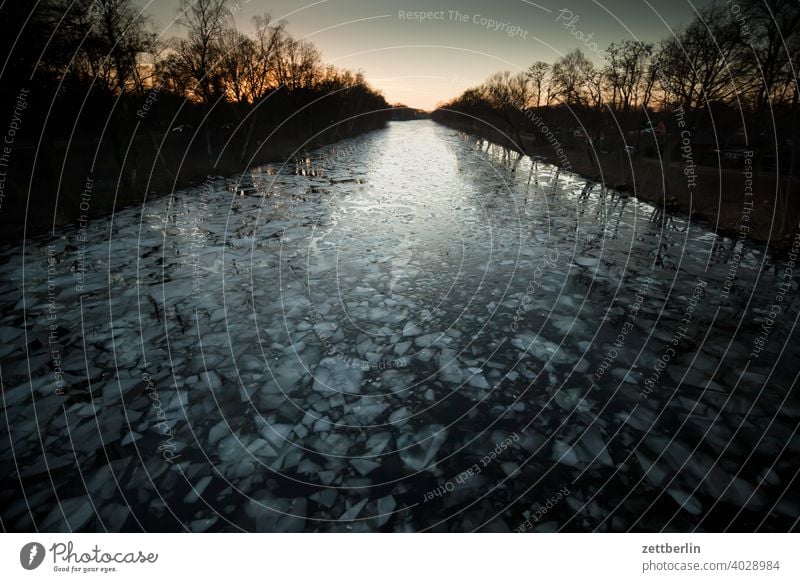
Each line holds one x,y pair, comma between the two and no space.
410,330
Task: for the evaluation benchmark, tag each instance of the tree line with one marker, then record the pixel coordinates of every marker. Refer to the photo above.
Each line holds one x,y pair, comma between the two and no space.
729,74
76,52
108,95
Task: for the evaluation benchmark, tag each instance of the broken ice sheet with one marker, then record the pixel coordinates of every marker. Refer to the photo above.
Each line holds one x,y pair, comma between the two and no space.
358,337
337,375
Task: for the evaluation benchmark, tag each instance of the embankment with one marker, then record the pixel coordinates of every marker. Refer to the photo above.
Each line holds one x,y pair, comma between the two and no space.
729,200
54,183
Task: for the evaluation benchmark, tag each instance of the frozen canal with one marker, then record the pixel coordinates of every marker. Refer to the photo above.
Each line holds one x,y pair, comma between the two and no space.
405,331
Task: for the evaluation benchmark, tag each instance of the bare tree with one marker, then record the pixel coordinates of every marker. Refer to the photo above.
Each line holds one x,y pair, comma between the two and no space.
594,86
510,91
538,75
626,74
239,55
773,36
570,75
205,23
297,63
269,39
705,61
262,75
509,97
123,28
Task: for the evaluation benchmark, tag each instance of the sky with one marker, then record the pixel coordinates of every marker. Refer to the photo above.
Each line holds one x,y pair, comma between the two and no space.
423,61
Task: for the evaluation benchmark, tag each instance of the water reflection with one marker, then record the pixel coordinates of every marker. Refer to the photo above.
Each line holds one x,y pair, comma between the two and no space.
334,339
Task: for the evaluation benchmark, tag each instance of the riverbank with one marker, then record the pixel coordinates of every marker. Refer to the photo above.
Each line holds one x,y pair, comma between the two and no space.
73,182
727,200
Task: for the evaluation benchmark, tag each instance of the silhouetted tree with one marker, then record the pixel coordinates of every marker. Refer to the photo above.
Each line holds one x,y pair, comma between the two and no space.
626,74
199,54
570,76
539,76
705,62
